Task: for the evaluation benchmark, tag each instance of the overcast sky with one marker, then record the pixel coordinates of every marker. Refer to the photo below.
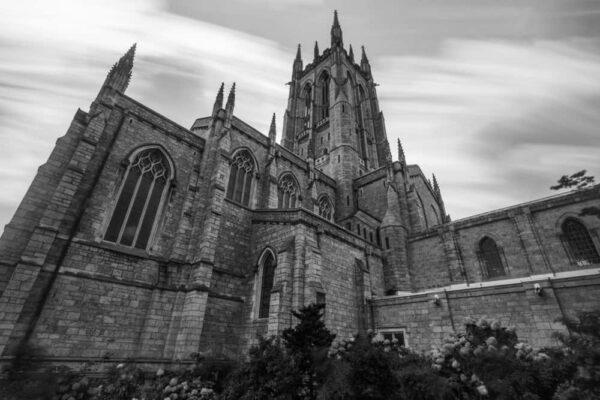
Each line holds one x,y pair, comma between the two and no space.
497,98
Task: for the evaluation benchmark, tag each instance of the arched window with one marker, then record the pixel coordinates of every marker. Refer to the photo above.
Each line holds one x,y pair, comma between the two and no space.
325,208
435,214
421,213
288,192
579,243
307,93
266,278
324,98
240,178
145,186
489,257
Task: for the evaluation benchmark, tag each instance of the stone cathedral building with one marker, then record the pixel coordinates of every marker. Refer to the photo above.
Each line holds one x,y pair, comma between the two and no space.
140,238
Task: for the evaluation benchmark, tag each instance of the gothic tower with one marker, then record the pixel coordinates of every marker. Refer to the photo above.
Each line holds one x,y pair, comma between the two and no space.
333,119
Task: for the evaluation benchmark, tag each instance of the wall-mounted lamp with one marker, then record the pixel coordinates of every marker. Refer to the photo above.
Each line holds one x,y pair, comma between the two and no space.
538,289
436,300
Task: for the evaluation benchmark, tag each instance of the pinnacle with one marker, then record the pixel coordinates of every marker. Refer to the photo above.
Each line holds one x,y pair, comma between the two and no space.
351,54
231,97
364,55
336,22
273,122
316,50
298,53
400,150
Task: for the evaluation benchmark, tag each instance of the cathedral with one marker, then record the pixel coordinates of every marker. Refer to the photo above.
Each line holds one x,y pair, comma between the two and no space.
141,239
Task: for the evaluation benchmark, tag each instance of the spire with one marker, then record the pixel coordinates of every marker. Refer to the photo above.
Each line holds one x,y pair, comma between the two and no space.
272,130
364,62
351,55
336,32
401,156
219,100
230,100
120,74
316,51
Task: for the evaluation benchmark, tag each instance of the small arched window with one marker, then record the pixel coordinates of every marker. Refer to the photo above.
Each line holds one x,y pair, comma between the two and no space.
288,192
490,259
266,278
240,178
325,208
579,243
144,188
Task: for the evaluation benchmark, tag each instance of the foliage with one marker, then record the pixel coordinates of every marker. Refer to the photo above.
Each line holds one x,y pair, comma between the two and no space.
486,361
308,343
579,180
269,374
582,352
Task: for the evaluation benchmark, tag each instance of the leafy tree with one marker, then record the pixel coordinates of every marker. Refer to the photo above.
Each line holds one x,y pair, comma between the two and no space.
579,180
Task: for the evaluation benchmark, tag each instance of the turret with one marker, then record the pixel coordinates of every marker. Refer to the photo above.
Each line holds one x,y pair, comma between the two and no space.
394,236
336,32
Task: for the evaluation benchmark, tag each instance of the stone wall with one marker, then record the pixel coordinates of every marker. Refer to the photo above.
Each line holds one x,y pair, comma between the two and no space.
513,303
527,237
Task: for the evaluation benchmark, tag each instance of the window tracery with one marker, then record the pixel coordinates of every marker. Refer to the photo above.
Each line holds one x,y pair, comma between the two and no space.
325,208
240,178
288,192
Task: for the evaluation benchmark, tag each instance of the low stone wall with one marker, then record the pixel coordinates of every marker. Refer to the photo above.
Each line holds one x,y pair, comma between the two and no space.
513,302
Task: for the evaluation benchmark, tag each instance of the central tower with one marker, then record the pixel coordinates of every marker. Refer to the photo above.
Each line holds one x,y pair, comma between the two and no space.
333,119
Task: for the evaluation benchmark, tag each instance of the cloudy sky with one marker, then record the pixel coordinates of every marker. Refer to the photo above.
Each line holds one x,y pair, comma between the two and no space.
497,98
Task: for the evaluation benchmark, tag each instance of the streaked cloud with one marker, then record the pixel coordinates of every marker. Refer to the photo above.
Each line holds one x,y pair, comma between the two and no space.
504,117
498,99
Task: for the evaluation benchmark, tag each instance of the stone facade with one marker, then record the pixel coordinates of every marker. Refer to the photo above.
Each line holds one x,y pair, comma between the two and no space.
339,220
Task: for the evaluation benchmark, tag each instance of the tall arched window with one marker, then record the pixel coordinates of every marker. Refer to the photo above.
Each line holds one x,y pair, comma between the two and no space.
489,257
435,214
421,213
288,192
145,186
324,98
266,279
579,243
325,208
307,93
240,178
